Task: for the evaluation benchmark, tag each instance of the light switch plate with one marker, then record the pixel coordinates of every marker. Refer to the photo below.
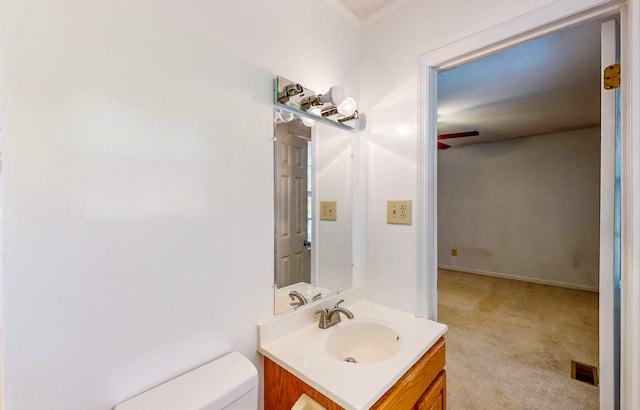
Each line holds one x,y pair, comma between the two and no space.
399,212
328,211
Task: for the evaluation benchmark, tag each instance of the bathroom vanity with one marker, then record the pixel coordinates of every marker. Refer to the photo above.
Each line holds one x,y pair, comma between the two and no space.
382,359
421,387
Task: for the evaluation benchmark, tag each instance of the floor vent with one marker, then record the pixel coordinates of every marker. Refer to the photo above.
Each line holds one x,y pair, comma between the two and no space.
584,373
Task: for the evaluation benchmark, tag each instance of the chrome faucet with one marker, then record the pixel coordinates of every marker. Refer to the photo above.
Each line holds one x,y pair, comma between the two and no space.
330,317
301,299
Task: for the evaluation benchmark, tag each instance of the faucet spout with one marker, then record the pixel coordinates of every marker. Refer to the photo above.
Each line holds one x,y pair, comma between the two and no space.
294,294
342,310
333,315
330,317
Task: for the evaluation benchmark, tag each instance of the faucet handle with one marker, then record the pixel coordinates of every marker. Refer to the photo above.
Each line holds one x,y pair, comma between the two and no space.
340,301
316,297
323,323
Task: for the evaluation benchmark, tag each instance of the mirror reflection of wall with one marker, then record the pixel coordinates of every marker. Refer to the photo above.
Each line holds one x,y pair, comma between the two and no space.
333,168
312,173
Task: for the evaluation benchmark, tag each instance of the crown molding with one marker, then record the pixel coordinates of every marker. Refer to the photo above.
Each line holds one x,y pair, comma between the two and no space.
361,22
345,12
383,12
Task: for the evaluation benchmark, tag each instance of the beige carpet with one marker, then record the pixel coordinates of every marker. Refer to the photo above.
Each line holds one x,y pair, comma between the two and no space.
510,343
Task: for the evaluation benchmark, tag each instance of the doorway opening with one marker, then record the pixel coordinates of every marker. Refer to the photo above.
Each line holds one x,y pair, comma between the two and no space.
518,31
518,203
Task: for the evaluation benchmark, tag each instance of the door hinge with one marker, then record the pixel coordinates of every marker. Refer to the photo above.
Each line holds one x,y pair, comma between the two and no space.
612,77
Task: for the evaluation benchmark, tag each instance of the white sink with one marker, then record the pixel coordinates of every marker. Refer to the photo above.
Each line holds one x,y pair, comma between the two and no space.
363,341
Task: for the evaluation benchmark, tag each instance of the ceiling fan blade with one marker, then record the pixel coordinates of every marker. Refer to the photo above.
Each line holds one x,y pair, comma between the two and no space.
458,135
443,146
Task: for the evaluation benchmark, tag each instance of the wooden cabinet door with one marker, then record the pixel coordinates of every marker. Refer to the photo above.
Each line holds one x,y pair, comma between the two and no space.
415,382
435,396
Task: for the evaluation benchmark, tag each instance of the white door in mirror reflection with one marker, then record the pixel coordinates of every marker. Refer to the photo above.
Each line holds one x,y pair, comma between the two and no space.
293,256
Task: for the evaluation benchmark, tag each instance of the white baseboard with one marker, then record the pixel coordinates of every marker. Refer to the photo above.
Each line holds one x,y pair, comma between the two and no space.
520,278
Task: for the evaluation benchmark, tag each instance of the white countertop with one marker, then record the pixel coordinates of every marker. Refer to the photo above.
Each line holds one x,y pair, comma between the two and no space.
352,386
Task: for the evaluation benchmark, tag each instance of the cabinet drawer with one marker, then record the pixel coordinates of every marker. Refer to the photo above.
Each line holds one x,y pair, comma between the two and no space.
435,397
408,390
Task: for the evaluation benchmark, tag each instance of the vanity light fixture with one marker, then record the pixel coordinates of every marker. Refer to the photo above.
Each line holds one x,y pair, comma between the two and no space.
308,121
285,116
347,107
316,111
329,111
334,96
361,120
330,107
289,91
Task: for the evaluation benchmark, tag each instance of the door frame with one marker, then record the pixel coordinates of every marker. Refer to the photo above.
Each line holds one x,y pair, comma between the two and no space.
552,17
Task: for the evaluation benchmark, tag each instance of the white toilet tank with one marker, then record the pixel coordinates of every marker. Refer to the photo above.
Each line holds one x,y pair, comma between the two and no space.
230,382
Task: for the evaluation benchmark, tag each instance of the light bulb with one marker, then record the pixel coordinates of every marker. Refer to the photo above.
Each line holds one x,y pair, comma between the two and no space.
335,94
361,122
347,107
285,116
309,122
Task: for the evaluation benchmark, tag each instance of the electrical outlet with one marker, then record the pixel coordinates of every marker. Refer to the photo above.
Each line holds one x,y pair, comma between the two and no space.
454,252
328,211
399,212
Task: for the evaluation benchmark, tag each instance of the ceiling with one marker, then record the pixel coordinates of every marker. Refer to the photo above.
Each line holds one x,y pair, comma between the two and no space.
548,85
364,9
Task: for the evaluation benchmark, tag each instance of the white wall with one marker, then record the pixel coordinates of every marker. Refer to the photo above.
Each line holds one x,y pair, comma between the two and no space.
333,170
137,210
390,50
527,207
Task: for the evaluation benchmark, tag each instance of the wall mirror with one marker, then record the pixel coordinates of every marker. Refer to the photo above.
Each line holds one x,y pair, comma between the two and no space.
313,212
